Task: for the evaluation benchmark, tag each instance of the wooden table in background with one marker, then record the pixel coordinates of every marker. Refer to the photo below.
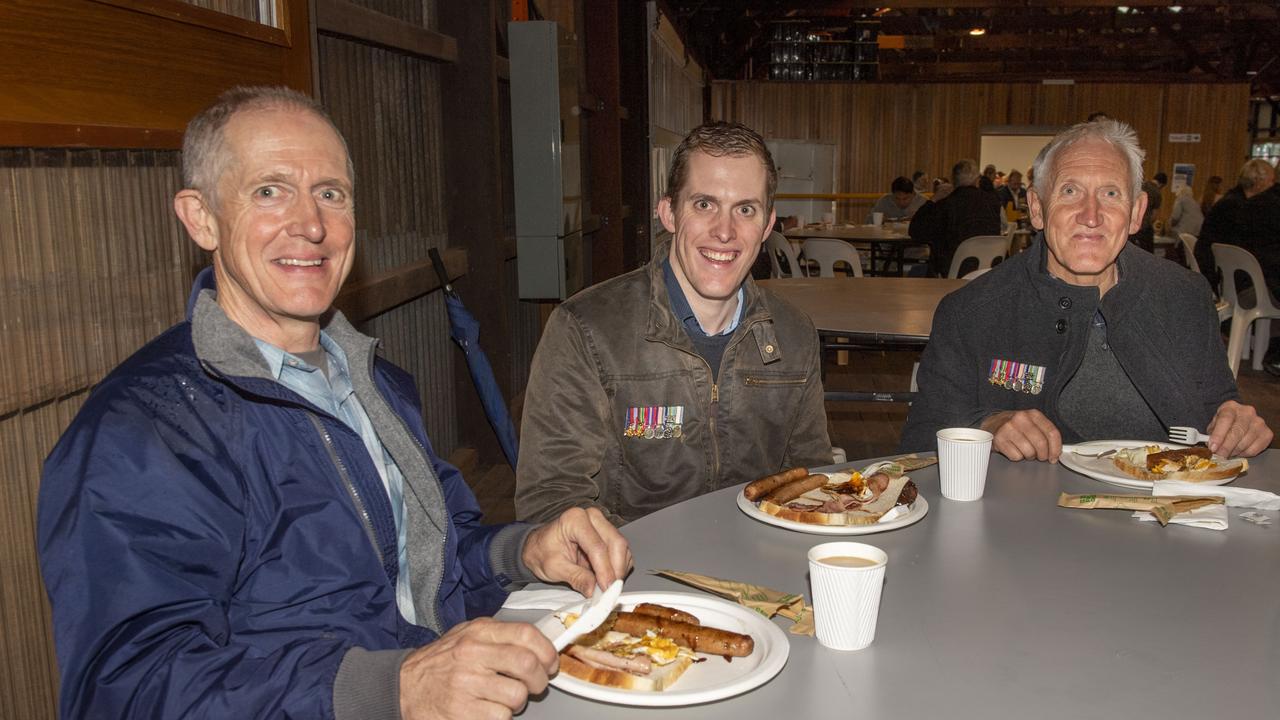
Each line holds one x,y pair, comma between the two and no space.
887,241
869,312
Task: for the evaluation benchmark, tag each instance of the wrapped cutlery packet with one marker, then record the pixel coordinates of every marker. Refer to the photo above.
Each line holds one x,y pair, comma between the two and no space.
1163,508
766,601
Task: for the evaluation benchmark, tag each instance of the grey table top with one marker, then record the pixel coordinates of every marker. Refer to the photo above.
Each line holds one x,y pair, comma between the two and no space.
1008,607
868,308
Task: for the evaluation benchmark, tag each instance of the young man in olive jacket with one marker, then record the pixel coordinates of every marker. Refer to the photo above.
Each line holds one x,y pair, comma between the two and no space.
1082,336
683,376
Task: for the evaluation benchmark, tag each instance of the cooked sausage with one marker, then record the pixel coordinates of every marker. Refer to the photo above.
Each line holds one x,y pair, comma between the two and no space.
791,491
713,641
663,611
765,485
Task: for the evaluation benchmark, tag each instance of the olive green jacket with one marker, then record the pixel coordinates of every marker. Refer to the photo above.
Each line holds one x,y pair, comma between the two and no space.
618,346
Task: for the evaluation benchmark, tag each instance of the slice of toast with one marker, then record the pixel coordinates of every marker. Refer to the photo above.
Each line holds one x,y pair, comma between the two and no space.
1136,462
659,678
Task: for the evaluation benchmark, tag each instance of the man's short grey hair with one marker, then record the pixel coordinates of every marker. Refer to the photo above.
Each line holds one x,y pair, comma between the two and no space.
1113,132
204,152
1253,172
964,173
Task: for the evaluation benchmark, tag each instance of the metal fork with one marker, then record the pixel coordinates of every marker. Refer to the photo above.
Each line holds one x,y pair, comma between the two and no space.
1186,435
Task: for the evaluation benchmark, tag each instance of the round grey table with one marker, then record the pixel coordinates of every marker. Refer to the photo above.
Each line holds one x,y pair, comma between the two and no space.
1007,607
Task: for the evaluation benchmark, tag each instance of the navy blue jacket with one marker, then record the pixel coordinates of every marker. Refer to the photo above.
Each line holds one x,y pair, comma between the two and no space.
215,546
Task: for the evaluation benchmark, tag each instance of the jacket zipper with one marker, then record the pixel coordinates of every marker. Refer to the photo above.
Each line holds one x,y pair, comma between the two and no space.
346,482
711,421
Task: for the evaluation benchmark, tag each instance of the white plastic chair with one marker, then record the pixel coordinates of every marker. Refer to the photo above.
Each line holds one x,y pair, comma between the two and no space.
780,250
983,248
1189,249
829,252
1259,308
976,273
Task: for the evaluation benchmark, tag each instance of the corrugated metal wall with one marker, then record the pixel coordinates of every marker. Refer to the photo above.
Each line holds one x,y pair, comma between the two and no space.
388,106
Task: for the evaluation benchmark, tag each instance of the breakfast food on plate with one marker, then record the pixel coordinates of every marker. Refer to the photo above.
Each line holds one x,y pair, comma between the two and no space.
1195,464
839,498
648,648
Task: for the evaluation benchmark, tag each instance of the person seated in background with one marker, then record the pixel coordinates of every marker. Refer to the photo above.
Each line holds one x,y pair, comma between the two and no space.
1185,216
1245,216
246,518
1082,336
1013,192
683,376
921,182
900,204
988,180
1212,194
963,213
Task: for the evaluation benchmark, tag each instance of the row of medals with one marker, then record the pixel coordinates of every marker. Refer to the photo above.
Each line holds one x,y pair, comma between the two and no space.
1016,384
649,432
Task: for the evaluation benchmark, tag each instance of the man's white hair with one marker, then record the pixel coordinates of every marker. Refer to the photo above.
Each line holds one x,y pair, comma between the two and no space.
1113,132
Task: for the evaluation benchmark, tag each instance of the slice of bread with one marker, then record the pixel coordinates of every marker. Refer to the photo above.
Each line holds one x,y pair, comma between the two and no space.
664,671
1134,462
658,679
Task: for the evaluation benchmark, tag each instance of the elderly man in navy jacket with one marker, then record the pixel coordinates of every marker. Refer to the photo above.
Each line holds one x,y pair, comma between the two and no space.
246,519
1083,336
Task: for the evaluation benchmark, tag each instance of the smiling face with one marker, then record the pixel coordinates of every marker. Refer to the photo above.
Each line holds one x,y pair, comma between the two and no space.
1088,214
718,222
282,232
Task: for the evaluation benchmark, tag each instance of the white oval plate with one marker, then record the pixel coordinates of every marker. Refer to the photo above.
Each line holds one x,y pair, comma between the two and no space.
714,679
1106,471
918,510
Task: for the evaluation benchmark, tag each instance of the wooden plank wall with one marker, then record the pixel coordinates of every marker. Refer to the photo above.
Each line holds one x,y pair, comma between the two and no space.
882,131
92,265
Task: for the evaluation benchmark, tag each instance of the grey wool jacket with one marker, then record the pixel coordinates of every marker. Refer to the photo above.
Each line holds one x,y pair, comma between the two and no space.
1161,325
614,350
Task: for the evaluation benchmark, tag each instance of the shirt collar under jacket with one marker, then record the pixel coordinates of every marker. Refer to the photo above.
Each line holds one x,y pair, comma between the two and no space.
684,313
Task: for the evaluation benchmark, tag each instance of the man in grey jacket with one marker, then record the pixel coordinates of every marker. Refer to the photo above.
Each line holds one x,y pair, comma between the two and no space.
684,376
1082,337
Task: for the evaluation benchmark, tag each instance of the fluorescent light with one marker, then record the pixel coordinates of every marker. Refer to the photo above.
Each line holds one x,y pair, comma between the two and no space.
978,31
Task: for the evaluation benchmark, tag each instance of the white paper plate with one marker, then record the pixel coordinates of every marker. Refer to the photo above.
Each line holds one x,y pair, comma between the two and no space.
1105,470
897,518
714,679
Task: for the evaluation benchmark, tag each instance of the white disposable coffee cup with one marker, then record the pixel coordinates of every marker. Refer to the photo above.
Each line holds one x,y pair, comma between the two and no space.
828,219
846,600
963,454
877,219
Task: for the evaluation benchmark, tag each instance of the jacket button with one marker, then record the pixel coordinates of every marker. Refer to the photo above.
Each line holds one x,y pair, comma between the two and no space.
768,349
1060,326
1064,303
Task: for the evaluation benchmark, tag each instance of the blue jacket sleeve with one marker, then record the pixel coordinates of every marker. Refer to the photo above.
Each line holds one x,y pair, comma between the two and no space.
140,532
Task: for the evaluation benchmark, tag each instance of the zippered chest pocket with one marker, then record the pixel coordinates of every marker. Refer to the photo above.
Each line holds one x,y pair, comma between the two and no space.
780,381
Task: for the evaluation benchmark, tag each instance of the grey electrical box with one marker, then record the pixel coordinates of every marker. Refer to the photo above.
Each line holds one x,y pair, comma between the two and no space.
546,159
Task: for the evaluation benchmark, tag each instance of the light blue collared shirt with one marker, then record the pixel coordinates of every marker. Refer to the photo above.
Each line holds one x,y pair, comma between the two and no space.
335,395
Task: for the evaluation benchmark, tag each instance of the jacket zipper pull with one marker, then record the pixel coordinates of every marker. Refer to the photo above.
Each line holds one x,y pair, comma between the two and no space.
715,393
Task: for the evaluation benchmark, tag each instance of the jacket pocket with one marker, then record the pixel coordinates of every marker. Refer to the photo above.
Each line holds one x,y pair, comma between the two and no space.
775,380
